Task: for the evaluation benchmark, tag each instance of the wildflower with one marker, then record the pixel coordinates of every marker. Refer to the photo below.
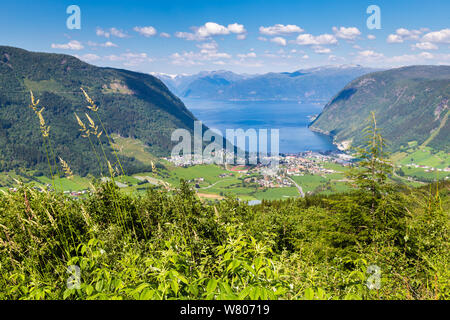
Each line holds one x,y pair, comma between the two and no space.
83,129
66,168
92,105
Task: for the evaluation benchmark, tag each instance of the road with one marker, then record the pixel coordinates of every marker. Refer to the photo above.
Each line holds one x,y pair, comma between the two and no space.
300,190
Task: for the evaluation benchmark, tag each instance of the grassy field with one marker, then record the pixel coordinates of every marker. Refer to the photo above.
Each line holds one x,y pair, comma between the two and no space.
424,156
133,148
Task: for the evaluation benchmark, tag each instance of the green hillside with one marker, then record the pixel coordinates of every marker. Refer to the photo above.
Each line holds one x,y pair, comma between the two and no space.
410,104
131,105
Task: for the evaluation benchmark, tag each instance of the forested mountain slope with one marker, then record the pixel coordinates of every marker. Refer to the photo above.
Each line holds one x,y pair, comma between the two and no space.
130,104
410,104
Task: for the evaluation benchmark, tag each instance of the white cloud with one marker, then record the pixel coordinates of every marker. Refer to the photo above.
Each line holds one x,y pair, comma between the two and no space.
208,45
130,59
403,34
187,36
208,52
332,57
410,58
146,31
394,38
107,44
280,29
426,55
442,36
279,40
164,35
89,57
236,28
241,36
72,45
111,32
409,34
262,38
371,37
247,55
321,50
211,29
369,56
102,33
350,33
323,39
425,46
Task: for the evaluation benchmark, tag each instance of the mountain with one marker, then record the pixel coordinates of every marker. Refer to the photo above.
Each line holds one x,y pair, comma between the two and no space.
130,104
309,85
410,104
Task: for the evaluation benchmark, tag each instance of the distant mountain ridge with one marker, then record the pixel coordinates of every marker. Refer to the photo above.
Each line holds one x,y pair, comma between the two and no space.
316,85
410,104
131,104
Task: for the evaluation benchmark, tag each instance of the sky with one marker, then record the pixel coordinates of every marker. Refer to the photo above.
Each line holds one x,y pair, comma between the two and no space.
186,37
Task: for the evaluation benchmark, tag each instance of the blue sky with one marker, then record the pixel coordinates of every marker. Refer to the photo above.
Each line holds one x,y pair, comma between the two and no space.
174,37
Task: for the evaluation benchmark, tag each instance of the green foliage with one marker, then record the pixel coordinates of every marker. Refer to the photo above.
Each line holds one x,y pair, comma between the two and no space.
173,246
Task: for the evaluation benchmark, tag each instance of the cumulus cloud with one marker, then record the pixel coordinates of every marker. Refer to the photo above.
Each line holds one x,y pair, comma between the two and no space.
164,35
321,50
89,57
71,45
110,32
279,29
323,39
442,36
394,38
247,55
279,40
410,58
236,28
148,31
130,59
403,34
425,46
350,33
369,56
107,44
211,29
371,37
187,36
208,52
208,46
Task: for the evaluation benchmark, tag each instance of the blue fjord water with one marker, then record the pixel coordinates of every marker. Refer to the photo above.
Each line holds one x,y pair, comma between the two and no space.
290,118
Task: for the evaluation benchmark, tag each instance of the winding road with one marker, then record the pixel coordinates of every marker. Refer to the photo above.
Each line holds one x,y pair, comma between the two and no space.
300,190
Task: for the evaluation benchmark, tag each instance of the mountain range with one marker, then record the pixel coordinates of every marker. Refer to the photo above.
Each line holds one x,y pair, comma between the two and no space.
410,104
315,85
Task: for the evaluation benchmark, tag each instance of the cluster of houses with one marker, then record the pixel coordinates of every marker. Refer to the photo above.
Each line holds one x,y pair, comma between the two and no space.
311,163
428,168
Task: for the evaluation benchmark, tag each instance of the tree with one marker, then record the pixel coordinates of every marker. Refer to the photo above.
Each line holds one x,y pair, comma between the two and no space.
371,177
